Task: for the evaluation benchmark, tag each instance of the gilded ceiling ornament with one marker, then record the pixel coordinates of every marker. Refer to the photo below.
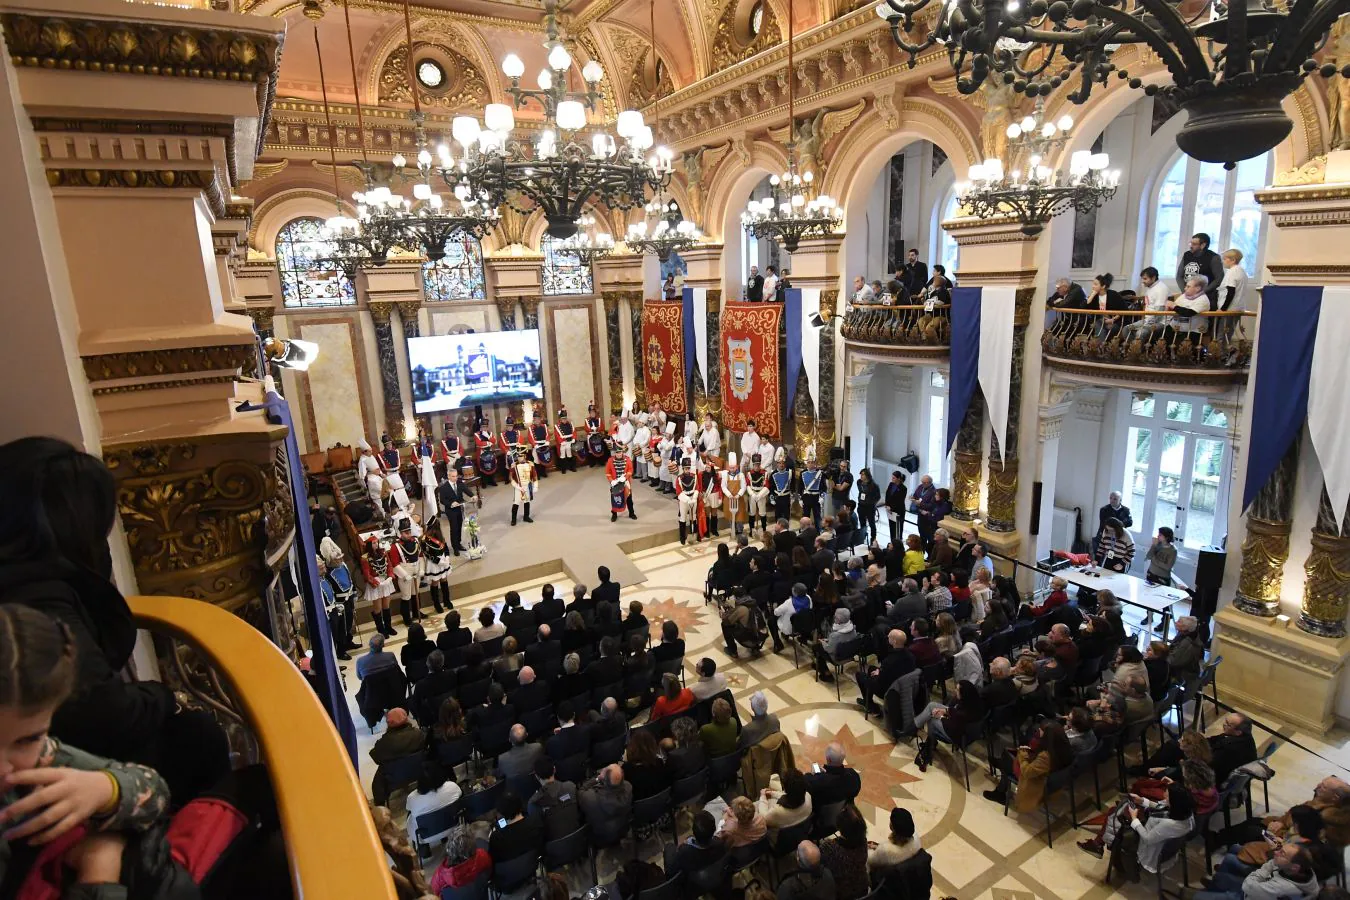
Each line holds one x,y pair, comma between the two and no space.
728,48
1314,171
464,86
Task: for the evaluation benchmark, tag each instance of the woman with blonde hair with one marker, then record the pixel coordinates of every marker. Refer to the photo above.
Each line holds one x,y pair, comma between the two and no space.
948,640
742,824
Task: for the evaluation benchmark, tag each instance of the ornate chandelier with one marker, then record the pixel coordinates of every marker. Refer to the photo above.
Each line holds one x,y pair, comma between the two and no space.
1231,64
663,230
1038,193
793,210
587,244
569,165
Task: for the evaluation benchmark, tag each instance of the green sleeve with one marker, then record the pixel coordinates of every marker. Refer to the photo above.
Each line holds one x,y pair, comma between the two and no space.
143,795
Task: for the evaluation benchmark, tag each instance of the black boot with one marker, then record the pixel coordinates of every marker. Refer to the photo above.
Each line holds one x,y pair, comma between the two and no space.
378,619
514,509
335,628
527,513
684,533
388,617
403,610
436,597
613,516
713,525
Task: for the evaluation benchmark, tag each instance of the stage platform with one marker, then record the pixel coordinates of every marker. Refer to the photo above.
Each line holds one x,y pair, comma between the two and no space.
571,534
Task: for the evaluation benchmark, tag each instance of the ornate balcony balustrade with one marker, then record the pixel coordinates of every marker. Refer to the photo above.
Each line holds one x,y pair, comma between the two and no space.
911,330
1207,348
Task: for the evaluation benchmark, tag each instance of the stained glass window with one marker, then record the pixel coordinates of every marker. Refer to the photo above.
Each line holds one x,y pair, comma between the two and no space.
459,274
564,272
306,280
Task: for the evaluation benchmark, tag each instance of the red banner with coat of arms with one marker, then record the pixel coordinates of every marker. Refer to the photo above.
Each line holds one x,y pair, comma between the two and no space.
662,355
750,366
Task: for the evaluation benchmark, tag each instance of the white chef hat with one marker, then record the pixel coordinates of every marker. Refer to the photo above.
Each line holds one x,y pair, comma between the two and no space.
670,428
731,459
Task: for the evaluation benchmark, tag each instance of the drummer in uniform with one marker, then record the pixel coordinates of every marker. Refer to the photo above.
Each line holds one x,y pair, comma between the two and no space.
405,561
596,447
436,565
484,441
389,457
543,450
620,472
567,456
813,485
512,439
448,450
710,489
654,455
664,451
733,488
757,493
524,480
642,436
686,498
782,481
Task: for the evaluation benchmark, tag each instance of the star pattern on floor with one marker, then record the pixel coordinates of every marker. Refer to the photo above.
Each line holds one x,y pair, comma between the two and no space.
872,761
1006,894
686,616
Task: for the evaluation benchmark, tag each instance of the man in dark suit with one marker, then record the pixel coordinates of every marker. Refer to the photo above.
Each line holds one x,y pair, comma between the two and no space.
914,276
521,833
545,654
895,501
582,604
606,590
438,682
495,710
1001,690
549,608
823,559
608,723
806,535
516,618
835,781
784,541
531,693
754,286
556,801
454,635
571,738
450,498
875,681
608,669
702,849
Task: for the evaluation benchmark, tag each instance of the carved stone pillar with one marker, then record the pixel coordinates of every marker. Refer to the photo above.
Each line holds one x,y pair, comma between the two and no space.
1265,549
506,308
384,348
969,462
407,313
635,323
1326,592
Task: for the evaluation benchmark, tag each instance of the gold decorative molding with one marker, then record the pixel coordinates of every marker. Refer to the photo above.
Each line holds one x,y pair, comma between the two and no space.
1022,309
1003,494
464,85
1302,195
1314,171
192,179
380,310
1310,219
175,361
1140,375
829,302
966,484
1341,270
1326,592
1265,550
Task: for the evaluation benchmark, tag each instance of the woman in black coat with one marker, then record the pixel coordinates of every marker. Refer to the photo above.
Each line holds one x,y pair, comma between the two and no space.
57,509
869,496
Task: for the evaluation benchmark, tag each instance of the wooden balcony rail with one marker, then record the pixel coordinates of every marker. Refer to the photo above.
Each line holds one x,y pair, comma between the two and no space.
331,841
899,326
1214,341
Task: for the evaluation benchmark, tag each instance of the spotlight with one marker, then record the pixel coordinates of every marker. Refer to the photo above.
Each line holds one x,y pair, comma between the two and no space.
291,353
818,321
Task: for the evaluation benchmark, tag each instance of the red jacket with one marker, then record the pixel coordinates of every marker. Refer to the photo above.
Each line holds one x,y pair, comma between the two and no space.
1056,598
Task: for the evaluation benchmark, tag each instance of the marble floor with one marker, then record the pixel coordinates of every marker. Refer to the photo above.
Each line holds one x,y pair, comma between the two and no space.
978,853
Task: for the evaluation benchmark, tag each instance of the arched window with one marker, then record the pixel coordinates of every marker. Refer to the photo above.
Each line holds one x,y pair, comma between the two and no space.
948,251
459,274
564,272
306,278
1195,196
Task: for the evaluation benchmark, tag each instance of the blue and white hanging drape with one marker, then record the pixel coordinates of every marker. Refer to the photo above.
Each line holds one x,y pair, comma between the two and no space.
796,331
982,349
696,332
1302,375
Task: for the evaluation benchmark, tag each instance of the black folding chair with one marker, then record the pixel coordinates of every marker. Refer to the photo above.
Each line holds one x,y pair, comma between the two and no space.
438,821
689,790
483,803
539,722
711,879
402,773
569,849
742,858
671,890
1208,678
605,752
473,694
825,818
475,890
724,770
647,815
455,752
572,769
848,652
493,648
512,874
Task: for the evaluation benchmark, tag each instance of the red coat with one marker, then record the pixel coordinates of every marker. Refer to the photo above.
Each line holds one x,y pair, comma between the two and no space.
613,472
1056,598
369,572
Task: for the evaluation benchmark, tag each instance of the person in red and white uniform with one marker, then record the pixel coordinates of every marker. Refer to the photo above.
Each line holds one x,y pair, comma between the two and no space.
620,472
567,457
524,483
379,585
405,562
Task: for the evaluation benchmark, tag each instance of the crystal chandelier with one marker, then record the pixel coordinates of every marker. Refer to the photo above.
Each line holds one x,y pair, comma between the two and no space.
663,230
569,164
793,210
586,244
1038,193
1231,65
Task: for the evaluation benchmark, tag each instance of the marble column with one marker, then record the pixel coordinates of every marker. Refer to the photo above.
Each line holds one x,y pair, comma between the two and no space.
530,306
712,388
506,310
614,343
391,393
826,427
1265,549
635,326
1326,591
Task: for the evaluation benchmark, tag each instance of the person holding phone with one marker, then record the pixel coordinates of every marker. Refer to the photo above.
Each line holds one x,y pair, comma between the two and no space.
515,833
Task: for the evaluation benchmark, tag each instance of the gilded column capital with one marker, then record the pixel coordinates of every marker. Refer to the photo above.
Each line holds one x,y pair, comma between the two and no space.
506,310
1022,306
1326,591
407,309
829,302
1265,550
380,310
966,485
1003,495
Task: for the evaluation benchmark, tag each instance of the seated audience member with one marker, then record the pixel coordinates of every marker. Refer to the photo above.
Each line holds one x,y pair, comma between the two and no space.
790,806
1025,676
454,634
462,864
742,824
1058,596
901,843
573,682
938,595
834,781
948,640
827,649
531,693
550,608
571,738
401,738
671,646
1158,668
582,604
811,881
516,617
607,797
606,622
576,636
1229,749
555,801
520,835
449,723
1095,640
488,628
1078,729
720,735
924,648
1193,299
683,750
942,554
520,759
378,659
798,601
476,667
673,700
1032,767
417,647
435,790
845,854
710,682
702,849
1287,875
494,711
762,722
914,561
1331,799
909,606
955,724
1197,782
1000,689
438,682
1187,654
609,722
510,661
1064,649
643,766
874,681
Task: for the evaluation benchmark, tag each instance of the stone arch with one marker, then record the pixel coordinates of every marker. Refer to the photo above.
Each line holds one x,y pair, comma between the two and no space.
728,192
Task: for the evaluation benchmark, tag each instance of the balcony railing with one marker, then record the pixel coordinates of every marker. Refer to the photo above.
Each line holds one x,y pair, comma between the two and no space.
922,328
1207,347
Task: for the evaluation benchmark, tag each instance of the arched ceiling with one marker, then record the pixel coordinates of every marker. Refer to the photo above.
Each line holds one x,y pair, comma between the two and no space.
694,38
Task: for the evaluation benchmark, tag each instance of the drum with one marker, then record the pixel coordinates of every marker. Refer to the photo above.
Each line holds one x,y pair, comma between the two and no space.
595,444
618,497
543,454
487,462
579,450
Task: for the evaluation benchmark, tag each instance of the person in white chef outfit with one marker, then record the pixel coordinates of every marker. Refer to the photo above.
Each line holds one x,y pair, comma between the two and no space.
623,434
667,449
709,439
641,447
371,473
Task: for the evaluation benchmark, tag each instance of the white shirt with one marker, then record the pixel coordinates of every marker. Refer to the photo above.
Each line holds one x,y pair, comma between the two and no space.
421,804
1198,303
766,455
749,447
1155,298
625,433
1234,277
710,440
770,286
864,295
642,437
367,466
